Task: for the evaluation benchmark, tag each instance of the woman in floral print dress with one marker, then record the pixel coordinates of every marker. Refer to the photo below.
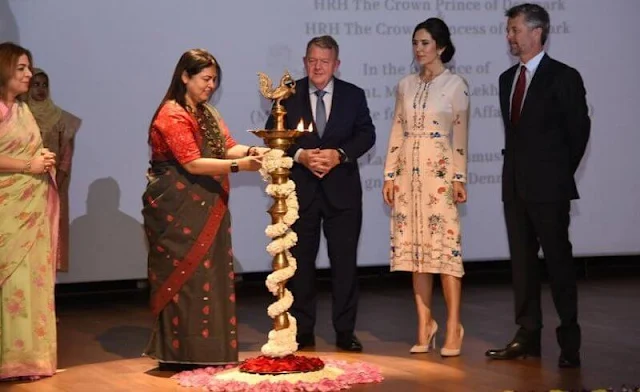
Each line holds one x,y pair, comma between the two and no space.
425,175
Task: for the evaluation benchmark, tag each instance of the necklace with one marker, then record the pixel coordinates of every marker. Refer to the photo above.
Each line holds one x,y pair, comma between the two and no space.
209,130
420,103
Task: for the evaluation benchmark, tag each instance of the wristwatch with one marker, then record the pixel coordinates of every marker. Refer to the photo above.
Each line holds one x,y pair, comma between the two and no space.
234,167
342,154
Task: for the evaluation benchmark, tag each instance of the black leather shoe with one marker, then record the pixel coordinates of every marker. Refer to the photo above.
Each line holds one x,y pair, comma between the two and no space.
569,361
306,340
349,343
514,350
178,367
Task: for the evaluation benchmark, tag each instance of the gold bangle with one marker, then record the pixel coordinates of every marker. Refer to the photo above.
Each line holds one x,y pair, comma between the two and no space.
27,167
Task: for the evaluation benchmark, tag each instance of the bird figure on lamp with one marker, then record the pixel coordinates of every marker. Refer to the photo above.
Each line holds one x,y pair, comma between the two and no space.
284,90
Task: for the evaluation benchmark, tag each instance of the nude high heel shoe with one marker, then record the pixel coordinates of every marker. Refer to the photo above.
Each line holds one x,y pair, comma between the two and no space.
453,352
431,341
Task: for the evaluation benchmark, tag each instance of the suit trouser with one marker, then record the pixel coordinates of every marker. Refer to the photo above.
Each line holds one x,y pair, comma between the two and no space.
341,228
532,225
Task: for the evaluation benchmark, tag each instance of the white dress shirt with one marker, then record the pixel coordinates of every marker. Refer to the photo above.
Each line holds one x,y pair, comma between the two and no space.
531,67
327,99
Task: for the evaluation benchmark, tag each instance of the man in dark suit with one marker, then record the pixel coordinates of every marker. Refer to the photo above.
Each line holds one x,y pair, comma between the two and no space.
328,185
547,128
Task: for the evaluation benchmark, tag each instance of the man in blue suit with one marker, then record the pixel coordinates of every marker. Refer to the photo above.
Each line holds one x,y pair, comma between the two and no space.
329,189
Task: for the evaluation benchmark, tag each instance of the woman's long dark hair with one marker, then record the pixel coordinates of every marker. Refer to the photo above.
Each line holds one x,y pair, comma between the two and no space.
192,62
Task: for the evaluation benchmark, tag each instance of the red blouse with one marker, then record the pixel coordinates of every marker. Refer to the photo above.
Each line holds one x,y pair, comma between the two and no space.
175,135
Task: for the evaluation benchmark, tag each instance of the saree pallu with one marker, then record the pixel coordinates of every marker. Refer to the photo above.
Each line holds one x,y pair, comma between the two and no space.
28,227
187,223
58,129
60,140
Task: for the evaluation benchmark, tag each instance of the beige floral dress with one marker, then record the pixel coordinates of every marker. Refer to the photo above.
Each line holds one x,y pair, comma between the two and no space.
427,151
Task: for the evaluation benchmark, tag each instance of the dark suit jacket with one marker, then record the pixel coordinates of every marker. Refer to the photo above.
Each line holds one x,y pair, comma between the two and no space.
543,151
349,127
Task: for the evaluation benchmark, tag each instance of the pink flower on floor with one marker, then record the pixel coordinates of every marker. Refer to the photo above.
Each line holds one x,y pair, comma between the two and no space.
354,373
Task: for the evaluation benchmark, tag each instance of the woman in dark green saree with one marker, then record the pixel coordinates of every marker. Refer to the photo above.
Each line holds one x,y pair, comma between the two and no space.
187,221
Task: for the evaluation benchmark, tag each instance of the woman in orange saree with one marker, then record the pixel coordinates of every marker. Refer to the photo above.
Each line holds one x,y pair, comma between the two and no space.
28,229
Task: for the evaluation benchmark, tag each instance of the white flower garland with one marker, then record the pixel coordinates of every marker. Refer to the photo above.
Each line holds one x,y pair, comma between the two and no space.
283,342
